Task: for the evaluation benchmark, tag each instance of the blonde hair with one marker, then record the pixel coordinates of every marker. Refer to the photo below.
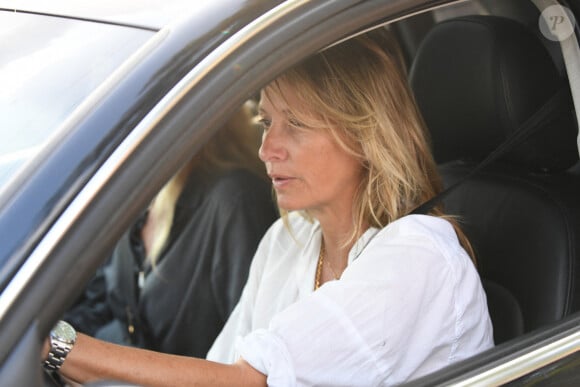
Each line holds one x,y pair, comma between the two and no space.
235,145
358,91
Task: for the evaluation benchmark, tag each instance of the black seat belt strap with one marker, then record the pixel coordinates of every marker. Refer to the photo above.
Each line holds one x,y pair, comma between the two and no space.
542,116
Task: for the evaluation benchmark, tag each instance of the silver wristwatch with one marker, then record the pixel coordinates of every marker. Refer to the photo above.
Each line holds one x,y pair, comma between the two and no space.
62,339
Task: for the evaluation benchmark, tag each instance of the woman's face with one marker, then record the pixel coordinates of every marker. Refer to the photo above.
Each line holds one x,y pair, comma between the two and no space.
309,170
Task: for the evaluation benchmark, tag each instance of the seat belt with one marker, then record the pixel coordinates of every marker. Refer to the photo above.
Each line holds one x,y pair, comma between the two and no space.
547,113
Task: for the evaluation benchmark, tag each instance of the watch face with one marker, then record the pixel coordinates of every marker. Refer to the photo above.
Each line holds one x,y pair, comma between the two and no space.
63,331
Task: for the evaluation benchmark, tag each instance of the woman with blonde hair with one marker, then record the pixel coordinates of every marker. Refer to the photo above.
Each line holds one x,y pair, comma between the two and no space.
176,275
349,287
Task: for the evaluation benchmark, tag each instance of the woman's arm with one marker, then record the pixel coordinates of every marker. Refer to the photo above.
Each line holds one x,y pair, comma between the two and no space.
92,360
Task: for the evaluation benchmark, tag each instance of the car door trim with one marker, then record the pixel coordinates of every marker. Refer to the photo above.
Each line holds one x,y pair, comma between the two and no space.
523,364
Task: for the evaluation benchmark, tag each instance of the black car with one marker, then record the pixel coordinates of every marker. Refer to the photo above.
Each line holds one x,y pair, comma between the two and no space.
101,104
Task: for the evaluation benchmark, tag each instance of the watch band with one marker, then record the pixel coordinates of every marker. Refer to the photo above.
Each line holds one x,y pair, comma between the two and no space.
56,357
62,338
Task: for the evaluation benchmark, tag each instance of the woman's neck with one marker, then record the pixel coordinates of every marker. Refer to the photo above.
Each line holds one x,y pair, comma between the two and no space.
337,238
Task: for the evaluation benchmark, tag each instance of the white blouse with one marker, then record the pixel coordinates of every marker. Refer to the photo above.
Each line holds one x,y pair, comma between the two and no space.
409,302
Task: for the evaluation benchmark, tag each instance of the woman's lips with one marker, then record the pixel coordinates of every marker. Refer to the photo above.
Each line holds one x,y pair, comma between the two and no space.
280,181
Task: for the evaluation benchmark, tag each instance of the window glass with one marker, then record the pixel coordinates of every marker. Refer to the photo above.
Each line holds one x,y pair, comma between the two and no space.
48,65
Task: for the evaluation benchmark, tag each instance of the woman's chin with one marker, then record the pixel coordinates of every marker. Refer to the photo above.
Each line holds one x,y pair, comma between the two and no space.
288,206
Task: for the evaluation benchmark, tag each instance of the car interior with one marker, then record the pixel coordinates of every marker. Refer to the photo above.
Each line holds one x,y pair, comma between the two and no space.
477,79
481,71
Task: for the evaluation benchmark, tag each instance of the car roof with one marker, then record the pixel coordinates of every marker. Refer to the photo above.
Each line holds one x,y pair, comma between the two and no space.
150,14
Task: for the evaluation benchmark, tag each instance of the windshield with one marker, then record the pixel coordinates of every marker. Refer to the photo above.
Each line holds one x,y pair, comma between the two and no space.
48,66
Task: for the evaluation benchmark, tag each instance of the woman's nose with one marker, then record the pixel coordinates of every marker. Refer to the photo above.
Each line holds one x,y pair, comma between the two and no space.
272,147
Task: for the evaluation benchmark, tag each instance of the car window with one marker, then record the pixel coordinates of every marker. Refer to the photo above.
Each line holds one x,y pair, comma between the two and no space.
48,65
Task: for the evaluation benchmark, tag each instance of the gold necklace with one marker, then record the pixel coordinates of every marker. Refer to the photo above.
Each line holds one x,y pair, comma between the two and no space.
319,266
321,257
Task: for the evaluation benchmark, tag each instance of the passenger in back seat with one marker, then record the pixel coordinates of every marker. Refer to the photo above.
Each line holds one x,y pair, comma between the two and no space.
176,275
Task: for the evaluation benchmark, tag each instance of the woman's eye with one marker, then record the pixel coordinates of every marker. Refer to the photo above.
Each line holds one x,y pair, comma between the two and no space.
265,123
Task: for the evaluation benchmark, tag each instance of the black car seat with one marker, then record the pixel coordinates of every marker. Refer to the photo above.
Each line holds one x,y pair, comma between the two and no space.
476,80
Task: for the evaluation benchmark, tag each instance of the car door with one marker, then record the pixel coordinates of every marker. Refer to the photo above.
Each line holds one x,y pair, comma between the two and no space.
159,109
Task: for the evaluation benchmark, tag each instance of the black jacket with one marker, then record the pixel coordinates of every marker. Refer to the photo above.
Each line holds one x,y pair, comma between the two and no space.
186,299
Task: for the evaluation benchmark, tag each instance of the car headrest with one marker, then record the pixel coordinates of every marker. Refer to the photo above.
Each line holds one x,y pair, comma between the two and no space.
477,79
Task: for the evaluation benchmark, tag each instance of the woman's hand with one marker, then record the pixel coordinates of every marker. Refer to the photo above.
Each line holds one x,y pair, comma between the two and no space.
45,349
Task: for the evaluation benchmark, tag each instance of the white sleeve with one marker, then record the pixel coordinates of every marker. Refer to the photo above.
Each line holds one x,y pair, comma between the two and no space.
315,340
397,312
